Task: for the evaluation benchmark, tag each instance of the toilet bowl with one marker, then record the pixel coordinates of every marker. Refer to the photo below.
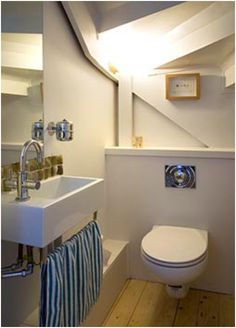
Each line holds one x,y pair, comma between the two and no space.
176,255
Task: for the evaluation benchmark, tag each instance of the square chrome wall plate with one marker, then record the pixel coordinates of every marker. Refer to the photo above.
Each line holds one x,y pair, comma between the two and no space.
180,176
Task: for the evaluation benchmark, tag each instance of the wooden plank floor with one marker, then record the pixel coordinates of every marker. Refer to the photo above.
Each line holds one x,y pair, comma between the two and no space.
146,304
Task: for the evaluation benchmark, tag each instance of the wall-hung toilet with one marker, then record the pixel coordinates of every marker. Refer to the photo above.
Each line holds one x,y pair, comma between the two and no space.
176,255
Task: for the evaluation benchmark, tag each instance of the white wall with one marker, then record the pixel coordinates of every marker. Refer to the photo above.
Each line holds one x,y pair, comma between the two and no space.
77,91
19,296
18,115
210,120
157,129
137,199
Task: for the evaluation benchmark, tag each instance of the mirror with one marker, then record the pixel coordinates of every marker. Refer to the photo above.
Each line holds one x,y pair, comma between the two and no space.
22,75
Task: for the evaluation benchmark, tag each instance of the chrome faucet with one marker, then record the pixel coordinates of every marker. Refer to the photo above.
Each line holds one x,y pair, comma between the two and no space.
22,183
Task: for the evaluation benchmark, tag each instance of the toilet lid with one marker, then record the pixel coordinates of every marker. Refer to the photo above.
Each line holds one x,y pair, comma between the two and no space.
175,244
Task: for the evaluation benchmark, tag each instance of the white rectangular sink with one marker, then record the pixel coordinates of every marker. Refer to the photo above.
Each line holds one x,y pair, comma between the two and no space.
60,203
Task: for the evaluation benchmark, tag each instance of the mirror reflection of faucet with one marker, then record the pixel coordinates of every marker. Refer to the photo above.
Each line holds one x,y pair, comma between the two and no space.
22,184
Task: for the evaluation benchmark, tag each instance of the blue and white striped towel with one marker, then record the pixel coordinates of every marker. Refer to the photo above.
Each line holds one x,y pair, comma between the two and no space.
71,279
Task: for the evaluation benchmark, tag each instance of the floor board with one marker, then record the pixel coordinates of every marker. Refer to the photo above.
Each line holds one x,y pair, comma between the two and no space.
227,311
187,309
146,304
154,309
124,308
208,313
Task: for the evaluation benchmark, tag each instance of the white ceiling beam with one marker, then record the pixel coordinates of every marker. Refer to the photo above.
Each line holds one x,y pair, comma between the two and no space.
86,33
188,38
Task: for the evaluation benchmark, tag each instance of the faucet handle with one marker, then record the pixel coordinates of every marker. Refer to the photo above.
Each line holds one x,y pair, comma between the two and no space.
11,183
30,184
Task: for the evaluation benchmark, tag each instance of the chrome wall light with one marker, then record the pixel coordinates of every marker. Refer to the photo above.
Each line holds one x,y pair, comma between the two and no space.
63,130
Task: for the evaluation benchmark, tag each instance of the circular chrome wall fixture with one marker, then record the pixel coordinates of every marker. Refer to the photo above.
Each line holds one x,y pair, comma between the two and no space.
180,176
63,130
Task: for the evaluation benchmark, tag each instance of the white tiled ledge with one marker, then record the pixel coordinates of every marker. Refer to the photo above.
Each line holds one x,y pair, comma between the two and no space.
172,152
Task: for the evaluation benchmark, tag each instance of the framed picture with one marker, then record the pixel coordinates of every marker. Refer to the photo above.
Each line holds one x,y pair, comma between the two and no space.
183,86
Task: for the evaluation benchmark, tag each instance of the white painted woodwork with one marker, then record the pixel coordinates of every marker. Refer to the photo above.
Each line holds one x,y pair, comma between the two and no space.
109,14
204,25
211,55
143,43
161,23
9,86
22,82
86,33
230,76
158,130
228,68
209,26
21,50
209,119
208,34
197,33
193,152
114,279
137,199
125,110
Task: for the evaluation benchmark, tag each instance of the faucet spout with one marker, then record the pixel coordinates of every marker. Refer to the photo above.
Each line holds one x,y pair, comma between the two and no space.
24,151
22,183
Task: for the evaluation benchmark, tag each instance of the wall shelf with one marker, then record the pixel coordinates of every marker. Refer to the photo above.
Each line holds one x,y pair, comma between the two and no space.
18,81
197,152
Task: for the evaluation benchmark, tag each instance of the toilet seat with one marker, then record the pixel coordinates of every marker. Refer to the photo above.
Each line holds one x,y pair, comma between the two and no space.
174,265
174,247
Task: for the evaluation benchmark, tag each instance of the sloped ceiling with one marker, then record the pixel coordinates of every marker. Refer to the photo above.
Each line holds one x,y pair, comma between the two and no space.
162,22
214,54
109,14
189,33
186,33
22,18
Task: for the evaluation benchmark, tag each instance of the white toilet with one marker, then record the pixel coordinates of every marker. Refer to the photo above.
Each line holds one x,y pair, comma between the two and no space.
177,255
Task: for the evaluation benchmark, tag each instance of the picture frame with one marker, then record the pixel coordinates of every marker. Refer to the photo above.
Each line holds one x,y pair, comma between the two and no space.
183,86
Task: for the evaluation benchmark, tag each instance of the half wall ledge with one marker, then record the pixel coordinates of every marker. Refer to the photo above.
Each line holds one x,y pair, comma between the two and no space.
196,152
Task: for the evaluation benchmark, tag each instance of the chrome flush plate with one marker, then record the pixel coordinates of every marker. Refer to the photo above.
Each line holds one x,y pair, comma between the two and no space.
180,176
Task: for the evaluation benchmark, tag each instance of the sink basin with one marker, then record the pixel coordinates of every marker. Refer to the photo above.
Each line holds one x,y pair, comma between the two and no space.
60,203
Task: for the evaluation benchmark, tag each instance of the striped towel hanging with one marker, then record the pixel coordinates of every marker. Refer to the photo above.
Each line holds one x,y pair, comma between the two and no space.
71,279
